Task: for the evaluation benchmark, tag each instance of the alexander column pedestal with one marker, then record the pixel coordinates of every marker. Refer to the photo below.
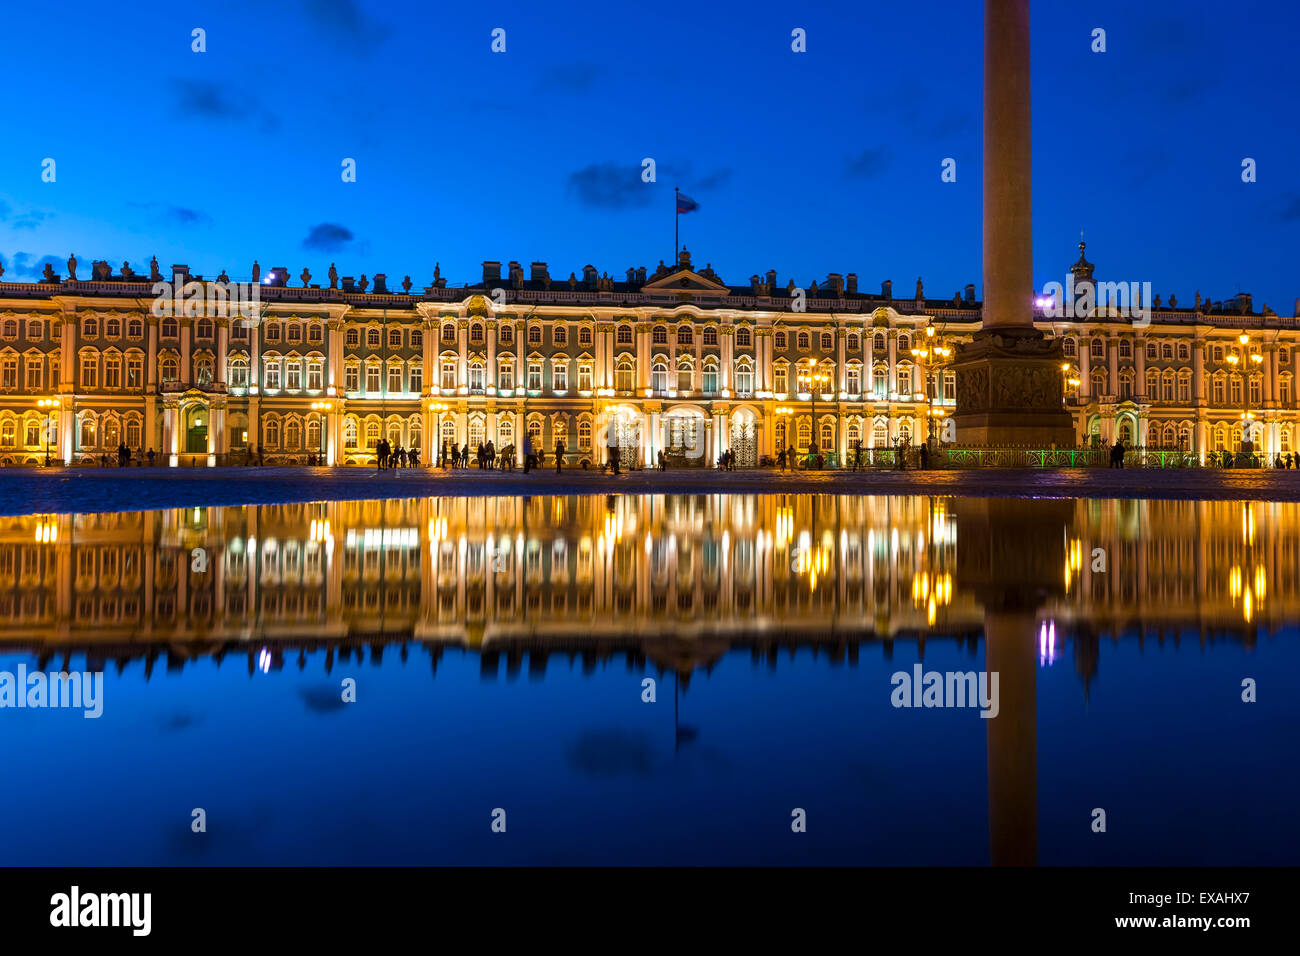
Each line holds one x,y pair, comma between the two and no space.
1009,389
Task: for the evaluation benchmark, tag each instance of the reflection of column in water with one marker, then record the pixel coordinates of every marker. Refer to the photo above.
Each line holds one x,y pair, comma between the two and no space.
1012,738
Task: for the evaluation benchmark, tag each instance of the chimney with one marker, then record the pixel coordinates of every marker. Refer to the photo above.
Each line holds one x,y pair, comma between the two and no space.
887,289
771,281
279,277
970,293
537,272
590,278
836,283
640,275
381,282
853,283
755,284
491,272
348,283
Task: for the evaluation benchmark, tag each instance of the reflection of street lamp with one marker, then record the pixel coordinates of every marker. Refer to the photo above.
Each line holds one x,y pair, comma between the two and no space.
322,407
439,408
810,381
1240,358
53,405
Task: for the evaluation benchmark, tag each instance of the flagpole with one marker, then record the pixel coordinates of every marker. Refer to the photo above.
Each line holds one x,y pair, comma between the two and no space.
677,248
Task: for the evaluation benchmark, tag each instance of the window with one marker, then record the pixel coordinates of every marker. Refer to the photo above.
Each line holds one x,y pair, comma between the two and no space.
35,367
133,432
1256,391
271,378
273,331
372,434
87,435
1184,386
534,335
203,329
90,370
272,433
560,335
89,328
744,379
36,329
685,335
828,342
314,375
506,375
373,382
828,436
584,377
476,333
659,336
1125,349
1217,353
352,338
448,332
476,376
507,334
684,377
744,337
417,339
315,333
624,335
352,378
584,336
415,378
904,343
854,341
781,379
1099,349
1284,390
169,369
584,435
880,380
802,341
1183,352
395,338
854,380
710,335
710,378
395,378
448,373
1216,390
624,380
560,375
237,372
534,376
1069,348
1167,352
168,328
292,435
904,380
373,338
203,369
112,328
779,340
112,372
659,376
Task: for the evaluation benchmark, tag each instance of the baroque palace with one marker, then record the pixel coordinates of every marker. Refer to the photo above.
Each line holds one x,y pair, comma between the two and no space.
674,361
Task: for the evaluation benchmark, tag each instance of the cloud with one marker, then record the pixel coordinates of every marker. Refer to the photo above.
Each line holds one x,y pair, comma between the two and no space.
719,177
176,215
27,265
610,186
24,220
868,164
570,77
344,22
328,237
204,99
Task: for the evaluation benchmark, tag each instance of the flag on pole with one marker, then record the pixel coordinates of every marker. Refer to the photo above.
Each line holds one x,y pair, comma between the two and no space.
686,204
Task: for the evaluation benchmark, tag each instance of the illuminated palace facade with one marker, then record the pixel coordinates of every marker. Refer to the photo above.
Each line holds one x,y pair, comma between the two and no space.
674,361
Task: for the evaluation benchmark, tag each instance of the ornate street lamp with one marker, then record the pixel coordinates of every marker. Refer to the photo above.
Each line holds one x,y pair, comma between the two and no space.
439,408
52,404
934,355
1245,358
323,408
810,381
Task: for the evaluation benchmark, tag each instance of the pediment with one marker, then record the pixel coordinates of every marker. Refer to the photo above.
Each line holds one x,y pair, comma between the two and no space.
686,282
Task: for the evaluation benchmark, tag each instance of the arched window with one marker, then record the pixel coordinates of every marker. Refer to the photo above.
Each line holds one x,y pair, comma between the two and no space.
584,335
659,336
1070,351
169,369
87,436
710,377
904,343
373,338
827,436
828,342
779,341
505,431
292,435
112,433
624,335
710,335
659,376
744,338
372,434
134,329
744,378
203,329
448,332
878,342
272,433
1098,348
805,435
685,375
1125,348
803,341
169,328
584,434
350,433
476,332
624,376
313,435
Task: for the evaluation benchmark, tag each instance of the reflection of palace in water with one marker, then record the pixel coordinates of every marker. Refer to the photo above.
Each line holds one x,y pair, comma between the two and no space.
674,579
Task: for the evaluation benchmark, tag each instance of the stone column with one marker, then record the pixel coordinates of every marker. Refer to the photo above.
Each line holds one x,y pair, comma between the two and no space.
1008,377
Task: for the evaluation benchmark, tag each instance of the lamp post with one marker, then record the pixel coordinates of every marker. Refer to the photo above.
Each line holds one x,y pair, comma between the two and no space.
439,408
785,412
53,405
810,381
933,354
1245,358
323,408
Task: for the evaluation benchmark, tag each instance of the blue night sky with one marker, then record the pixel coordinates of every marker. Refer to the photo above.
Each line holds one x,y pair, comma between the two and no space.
826,161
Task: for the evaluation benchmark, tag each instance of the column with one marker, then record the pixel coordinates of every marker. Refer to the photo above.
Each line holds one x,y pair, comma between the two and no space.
223,338
1140,358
